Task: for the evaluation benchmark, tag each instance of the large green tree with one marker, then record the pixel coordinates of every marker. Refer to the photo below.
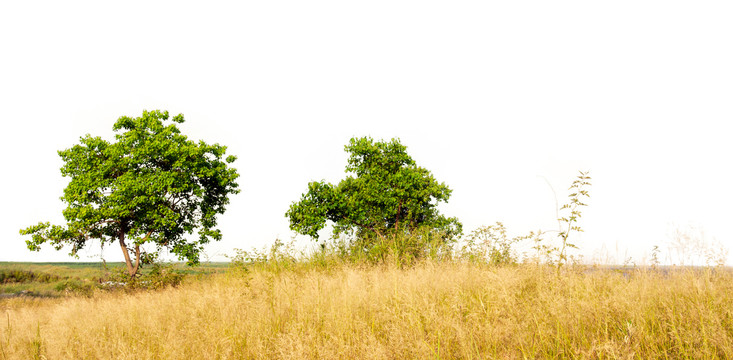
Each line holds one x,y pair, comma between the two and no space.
386,193
151,185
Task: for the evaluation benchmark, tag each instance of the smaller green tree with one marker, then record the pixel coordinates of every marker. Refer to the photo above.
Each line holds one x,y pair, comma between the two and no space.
386,194
152,185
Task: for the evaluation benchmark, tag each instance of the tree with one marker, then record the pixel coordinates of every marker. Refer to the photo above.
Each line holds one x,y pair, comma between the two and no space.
387,193
151,185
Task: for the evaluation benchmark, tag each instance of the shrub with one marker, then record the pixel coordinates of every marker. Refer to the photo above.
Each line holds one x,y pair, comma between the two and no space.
25,276
75,287
160,276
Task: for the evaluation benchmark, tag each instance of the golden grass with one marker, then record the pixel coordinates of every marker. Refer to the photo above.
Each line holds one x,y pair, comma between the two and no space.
430,311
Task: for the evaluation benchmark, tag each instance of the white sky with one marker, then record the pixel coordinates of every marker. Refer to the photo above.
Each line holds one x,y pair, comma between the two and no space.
491,96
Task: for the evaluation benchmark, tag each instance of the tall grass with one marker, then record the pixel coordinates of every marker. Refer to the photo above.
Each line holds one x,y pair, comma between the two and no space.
430,310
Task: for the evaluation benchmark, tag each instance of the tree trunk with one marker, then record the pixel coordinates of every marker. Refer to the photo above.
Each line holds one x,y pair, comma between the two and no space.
397,221
130,269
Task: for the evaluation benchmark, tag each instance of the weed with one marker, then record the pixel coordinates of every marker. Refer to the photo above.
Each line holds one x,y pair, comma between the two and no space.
655,257
490,244
568,223
497,249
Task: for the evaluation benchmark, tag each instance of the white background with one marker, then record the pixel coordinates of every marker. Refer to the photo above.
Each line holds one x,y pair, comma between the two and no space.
493,97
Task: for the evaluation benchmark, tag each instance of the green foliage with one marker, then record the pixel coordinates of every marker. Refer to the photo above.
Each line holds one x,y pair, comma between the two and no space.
151,185
385,195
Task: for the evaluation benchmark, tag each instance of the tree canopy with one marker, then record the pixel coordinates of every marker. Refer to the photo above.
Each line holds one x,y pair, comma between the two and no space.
385,193
151,185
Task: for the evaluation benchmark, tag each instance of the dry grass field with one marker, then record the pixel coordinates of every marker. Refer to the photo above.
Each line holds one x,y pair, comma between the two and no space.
433,310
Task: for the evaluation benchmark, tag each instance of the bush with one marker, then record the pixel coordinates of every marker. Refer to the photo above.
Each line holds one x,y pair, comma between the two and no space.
160,276
75,287
403,248
25,276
